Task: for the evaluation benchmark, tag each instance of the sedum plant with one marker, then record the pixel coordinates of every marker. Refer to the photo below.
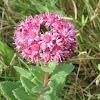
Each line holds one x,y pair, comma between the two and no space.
46,40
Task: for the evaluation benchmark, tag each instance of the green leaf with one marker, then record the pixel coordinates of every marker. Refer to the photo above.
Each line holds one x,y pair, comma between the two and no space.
50,67
37,72
39,89
42,98
56,87
57,79
23,72
86,19
47,97
83,20
7,87
22,95
38,83
99,46
27,84
57,98
99,67
61,71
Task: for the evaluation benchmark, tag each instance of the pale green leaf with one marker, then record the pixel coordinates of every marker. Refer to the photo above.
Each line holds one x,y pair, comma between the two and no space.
56,87
38,83
28,85
39,89
86,19
83,20
61,71
42,98
50,67
57,98
22,95
7,87
99,67
37,72
23,72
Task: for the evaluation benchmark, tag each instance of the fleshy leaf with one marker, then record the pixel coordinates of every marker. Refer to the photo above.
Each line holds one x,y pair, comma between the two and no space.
57,98
22,95
56,87
38,83
37,72
42,98
23,72
7,87
39,89
61,71
27,84
50,67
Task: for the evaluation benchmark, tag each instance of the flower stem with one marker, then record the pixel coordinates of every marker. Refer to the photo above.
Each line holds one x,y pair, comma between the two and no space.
45,79
45,82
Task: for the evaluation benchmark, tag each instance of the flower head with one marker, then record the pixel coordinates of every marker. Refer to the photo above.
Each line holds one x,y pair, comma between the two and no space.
47,37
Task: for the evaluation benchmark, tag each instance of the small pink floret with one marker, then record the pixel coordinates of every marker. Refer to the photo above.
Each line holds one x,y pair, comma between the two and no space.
36,47
47,38
28,52
32,34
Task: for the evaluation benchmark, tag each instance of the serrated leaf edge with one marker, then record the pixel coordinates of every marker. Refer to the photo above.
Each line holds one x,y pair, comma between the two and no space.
23,85
3,91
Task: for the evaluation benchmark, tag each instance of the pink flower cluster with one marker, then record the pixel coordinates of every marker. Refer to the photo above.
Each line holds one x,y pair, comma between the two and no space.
45,37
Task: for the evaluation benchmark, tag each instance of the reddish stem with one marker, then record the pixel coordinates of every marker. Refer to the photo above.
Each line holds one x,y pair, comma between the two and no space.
45,82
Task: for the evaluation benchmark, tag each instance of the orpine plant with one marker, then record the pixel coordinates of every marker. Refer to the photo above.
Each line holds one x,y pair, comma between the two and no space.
46,39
